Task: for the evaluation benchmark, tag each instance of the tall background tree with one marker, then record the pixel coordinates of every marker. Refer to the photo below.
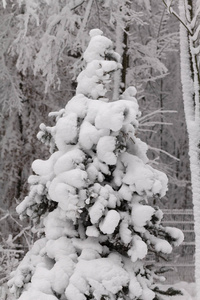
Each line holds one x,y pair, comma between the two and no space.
189,16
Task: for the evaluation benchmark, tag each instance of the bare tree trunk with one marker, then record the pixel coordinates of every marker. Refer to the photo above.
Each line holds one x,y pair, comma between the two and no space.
191,97
125,58
119,49
122,29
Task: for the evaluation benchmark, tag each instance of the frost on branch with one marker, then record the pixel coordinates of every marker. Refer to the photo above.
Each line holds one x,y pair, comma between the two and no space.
89,200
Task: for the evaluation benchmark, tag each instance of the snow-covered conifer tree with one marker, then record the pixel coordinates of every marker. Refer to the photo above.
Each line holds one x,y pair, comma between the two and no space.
89,200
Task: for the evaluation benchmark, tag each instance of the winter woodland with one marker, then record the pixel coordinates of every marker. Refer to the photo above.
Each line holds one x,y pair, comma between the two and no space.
83,200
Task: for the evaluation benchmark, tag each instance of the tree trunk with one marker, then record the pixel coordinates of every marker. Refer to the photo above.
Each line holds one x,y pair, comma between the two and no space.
191,97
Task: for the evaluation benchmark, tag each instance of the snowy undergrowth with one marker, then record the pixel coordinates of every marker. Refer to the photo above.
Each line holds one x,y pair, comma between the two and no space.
89,200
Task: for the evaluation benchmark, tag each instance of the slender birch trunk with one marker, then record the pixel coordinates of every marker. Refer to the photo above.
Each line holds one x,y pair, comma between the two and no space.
191,98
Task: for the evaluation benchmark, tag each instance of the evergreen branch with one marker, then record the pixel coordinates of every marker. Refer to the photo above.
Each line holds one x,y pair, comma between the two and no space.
170,292
157,254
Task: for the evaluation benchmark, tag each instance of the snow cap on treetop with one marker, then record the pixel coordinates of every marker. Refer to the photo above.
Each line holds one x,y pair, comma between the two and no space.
94,32
99,46
129,94
101,61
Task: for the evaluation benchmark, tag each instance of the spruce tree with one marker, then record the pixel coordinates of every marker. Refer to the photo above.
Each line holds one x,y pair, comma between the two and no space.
90,200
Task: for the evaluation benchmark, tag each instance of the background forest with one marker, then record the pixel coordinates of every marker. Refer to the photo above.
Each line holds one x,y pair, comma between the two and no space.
41,46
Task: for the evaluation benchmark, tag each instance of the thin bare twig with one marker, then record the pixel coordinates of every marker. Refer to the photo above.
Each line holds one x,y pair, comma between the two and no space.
163,151
171,11
155,112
